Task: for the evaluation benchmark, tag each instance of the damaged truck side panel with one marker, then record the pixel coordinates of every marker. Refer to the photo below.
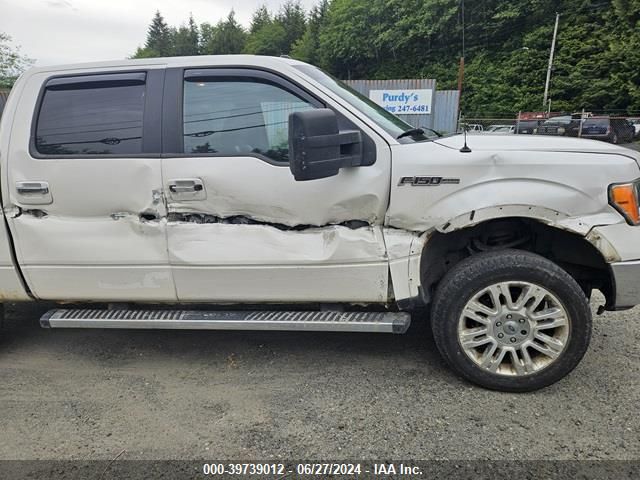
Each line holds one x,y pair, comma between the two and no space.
12,284
103,234
519,184
227,262
297,237
11,287
127,228
250,180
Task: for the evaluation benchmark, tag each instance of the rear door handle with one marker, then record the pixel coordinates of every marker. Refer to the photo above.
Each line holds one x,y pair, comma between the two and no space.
187,189
32,188
34,193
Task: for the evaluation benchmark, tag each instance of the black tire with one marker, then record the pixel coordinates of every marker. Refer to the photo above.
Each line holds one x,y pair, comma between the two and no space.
480,271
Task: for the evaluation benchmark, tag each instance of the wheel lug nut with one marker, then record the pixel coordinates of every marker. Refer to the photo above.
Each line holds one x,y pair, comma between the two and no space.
513,340
501,335
509,316
523,332
521,320
498,324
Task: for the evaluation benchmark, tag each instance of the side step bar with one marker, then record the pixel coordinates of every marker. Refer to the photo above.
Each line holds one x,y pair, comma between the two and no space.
327,321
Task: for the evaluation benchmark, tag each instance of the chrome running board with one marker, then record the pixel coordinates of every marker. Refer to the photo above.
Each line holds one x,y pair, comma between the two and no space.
327,321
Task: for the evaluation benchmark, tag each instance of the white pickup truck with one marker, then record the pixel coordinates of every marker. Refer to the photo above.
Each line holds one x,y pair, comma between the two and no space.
242,180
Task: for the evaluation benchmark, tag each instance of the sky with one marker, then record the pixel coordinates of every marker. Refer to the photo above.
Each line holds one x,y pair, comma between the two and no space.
69,31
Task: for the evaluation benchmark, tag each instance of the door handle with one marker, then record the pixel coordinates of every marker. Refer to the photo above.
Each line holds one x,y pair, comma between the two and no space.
186,186
32,188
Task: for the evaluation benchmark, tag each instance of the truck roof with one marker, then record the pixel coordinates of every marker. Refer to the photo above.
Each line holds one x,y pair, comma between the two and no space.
193,61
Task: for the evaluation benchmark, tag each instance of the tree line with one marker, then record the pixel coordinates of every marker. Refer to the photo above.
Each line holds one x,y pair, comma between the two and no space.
507,45
285,32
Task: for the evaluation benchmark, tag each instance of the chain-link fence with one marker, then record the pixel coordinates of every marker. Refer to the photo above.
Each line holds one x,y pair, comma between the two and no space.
607,125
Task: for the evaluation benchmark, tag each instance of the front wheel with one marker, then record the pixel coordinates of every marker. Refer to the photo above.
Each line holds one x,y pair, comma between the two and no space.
511,320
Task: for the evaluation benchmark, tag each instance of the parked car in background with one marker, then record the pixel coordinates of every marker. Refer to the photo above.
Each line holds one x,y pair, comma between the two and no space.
558,125
471,127
527,127
636,126
500,129
614,130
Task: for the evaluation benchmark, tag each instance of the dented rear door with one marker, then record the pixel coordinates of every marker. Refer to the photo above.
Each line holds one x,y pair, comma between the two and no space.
240,228
88,217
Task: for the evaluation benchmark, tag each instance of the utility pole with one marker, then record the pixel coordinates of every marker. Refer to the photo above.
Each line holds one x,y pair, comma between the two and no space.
460,78
461,67
553,50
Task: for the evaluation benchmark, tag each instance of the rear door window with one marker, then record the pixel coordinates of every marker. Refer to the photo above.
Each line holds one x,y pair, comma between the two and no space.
92,115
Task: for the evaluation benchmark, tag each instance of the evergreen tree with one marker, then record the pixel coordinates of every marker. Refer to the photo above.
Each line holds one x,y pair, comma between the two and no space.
307,47
159,42
260,18
207,34
227,37
506,51
349,38
267,40
292,18
187,39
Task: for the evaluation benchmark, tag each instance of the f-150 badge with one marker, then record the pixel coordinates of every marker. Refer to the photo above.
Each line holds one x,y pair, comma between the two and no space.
427,181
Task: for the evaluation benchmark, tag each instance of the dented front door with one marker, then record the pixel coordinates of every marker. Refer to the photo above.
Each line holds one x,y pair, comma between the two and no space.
240,228
87,216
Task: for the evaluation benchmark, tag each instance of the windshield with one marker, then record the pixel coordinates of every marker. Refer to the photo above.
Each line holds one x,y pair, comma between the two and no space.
388,121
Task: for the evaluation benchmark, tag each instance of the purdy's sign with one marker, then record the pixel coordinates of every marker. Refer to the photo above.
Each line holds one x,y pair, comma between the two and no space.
404,102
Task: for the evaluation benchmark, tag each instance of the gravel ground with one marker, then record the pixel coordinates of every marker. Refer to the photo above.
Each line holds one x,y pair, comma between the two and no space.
92,394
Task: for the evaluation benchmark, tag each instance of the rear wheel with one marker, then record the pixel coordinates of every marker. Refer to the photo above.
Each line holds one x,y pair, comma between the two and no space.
511,320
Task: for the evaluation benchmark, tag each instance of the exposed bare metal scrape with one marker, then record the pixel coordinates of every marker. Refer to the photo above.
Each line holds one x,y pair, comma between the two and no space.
205,218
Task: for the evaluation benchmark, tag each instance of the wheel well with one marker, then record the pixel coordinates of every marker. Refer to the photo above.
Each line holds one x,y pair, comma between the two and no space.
569,250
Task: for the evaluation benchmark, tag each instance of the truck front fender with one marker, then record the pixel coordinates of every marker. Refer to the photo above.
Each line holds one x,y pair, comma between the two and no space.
447,208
